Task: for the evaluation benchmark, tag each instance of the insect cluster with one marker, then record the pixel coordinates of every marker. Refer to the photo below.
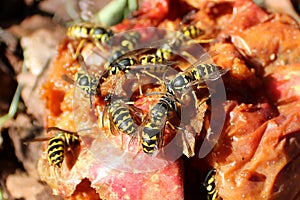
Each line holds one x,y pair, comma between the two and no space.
157,85
151,62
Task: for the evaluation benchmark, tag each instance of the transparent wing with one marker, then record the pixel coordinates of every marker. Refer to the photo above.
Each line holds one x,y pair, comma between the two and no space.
83,111
88,8
154,68
83,9
123,43
127,53
204,58
188,143
212,77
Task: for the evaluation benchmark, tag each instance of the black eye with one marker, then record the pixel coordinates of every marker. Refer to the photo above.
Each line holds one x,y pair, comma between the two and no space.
84,81
99,31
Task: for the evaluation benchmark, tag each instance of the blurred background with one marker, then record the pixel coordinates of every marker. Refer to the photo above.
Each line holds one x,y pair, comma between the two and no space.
29,33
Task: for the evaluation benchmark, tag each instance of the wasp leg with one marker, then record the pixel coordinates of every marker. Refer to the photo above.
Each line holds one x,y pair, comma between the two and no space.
152,75
99,45
140,87
189,56
197,102
78,49
199,41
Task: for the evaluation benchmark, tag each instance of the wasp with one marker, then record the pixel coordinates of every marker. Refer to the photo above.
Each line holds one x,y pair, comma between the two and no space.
191,32
120,116
185,34
123,62
153,126
85,31
84,81
210,186
59,144
128,42
132,62
161,55
197,73
155,62
131,66
91,32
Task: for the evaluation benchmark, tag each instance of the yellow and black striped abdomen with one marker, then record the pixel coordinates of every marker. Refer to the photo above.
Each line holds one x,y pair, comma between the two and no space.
195,75
56,149
205,71
121,116
210,186
153,129
59,144
147,59
151,136
123,65
163,54
79,31
192,32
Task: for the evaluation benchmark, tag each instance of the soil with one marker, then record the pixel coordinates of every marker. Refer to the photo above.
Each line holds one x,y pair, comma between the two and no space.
28,41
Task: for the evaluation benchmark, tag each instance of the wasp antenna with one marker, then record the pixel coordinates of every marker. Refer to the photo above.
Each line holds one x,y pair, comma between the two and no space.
81,62
67,79
53,128
151,75
99,53
42,139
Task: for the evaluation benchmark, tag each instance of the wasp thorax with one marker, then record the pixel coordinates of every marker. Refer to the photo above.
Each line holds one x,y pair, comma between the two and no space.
179,82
